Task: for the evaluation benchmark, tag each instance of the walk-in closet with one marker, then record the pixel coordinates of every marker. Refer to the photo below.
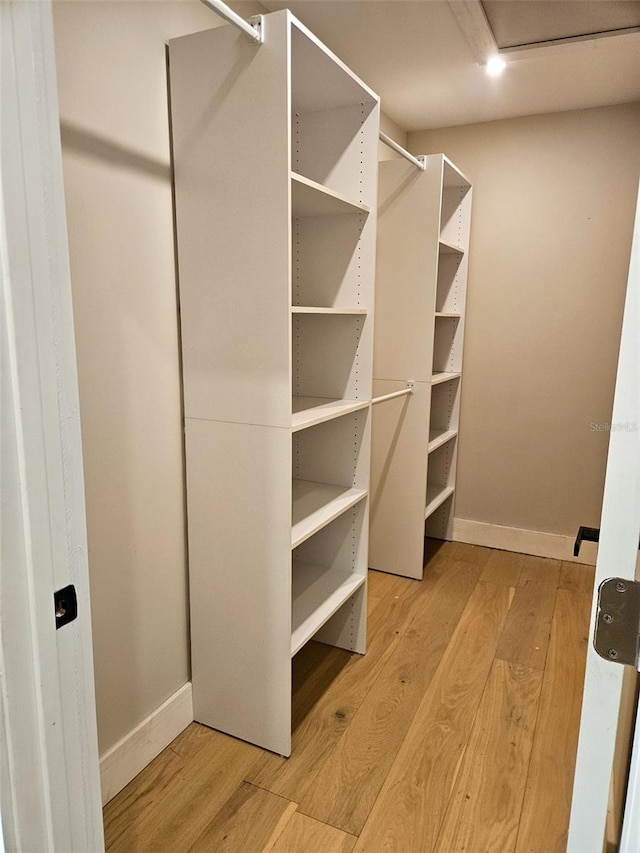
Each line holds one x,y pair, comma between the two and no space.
320,460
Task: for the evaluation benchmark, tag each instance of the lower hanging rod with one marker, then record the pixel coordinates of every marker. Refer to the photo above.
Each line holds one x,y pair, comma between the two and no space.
254,32
420,162
394,394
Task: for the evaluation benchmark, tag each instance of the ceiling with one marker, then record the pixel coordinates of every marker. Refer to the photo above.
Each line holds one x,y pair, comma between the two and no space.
425,57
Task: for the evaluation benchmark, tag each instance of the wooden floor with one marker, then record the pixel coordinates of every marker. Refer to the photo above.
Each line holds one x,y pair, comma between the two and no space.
457,730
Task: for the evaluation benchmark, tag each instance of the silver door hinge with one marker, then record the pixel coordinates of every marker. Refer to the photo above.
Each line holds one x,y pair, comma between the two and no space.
617,632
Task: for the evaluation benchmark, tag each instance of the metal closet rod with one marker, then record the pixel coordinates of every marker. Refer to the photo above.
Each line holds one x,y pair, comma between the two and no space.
254,32
394,394
420,162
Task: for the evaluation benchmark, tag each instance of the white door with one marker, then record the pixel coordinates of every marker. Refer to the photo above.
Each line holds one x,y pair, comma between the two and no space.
617,556
49,773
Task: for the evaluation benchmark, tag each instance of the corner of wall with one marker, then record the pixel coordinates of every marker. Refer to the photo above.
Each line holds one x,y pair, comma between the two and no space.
388,126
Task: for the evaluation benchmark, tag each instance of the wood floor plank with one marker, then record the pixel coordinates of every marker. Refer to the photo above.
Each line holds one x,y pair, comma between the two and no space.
525,638
410,808
345,788
540,570
140,796
378,583
464,553
144,791
544,821
503,567
437,551
191,740
385,586
400,595
190,799
322,727
305,835
314,668
577,577
484,808
434,548
251,820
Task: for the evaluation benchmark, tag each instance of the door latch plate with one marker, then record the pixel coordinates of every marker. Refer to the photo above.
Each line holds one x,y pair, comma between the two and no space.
65,603
618,621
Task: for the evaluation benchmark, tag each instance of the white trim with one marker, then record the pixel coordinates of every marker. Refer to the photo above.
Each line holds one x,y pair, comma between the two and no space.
544,49
473,22
120,764
49,775
522,541
631,821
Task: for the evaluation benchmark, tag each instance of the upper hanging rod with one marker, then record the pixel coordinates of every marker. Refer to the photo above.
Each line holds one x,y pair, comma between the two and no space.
407,390
420,161
254,32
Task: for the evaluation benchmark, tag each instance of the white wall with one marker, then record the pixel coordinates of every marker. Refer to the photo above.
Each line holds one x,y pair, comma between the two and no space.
553,205
396,133
113,104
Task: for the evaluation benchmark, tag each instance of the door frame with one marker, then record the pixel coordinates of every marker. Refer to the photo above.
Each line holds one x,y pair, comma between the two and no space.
49,769
617,557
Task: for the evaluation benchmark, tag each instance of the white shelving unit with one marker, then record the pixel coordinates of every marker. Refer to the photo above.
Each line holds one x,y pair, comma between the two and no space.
275,155
422,256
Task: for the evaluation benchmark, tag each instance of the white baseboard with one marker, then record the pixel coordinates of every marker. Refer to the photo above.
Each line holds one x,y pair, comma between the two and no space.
128,757
522,541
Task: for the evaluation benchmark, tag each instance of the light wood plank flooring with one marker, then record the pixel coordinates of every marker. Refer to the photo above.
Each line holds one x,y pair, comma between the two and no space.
457,731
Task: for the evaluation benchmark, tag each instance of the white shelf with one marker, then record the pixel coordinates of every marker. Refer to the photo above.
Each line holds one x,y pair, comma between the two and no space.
436,496
437,378
453,177
449,314
309,411
317,593
447,248
439,437
309,198
317,504
308,309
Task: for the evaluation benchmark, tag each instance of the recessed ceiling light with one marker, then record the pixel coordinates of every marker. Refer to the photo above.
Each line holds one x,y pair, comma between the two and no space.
495,66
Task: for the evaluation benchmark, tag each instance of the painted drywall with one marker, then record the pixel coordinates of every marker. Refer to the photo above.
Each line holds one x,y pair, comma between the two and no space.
553,204
395,132
113,105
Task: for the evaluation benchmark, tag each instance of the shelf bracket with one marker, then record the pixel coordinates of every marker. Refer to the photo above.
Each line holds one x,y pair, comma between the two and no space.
251,28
